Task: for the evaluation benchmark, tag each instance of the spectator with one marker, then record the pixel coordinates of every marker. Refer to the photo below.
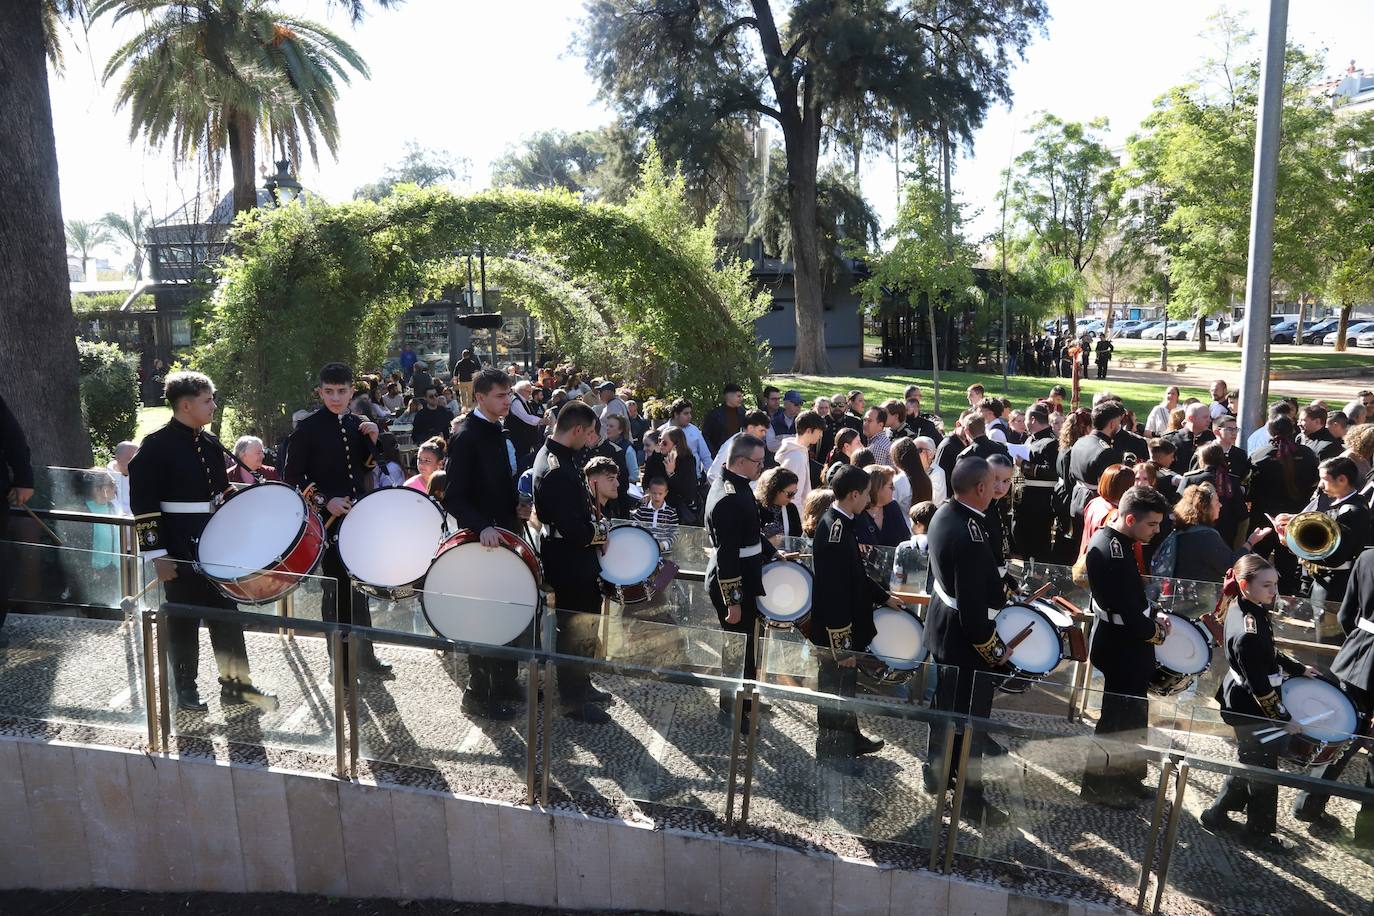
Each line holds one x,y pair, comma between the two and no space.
119,466
875,434
1260,437
1359,448
680,417
726,419
524,428
639,425
818,502
784,422
393,400
99,585
464,368
1195,433
1315,435
883,523
863,458
853,416
610,403
675,463
429,457
917,423
1219,406
432,419
420,379
939,489
912,483
826,411
1200,552
389,471
756,425
1157,423
250,454
655,513
776,492
408,361
1111,486
1336,424
772,400
615,428
437,485
1212,468
794,452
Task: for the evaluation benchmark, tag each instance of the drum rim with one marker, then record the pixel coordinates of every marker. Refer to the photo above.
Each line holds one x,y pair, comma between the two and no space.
902,664
443,535
811,593
537,573
641,531
1030,674
295,541
1206,642
1350,705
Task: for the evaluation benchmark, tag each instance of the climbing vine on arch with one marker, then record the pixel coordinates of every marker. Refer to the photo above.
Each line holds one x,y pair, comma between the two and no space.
314,282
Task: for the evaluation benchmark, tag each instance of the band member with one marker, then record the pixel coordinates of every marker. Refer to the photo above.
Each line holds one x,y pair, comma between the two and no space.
734,573
572,534
1034,517
965,591
332,451
482,495
842,620
1250,702
173,479
998,516
1090,456
1123,642
1338,498
1284,475
1354,668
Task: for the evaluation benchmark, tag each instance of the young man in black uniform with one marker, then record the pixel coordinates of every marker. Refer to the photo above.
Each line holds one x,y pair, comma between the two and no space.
1354,668
599,446
842,616
1338,497
16,487
1251,704
178,471
734,572
965,592
1089,457
332,450
975,427
571,537
1123,642
1034,516
482,495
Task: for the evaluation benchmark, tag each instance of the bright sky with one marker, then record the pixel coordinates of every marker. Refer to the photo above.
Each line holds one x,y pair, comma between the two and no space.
474,77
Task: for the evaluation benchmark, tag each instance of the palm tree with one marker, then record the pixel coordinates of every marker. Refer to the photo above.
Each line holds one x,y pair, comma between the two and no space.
209,74
83,238
131,229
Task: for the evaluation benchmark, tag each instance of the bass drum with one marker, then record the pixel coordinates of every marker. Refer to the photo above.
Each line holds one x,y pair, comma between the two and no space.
387,539
1183,657
477,594
786,601
900,644
632,566
1039,653
260,543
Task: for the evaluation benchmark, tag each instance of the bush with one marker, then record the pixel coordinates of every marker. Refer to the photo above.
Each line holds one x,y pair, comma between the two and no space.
108,302
109,394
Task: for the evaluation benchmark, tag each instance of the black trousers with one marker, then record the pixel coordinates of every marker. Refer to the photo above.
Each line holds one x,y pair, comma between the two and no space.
837,730
1259,800
1102,369
183,633
1126,668
349,604
1313,803
577,635
748,625
1032,523
967,690
4,567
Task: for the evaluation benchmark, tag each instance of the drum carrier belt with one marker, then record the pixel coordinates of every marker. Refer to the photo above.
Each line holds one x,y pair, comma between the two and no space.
752,550
1105,615
1275,678
943,595
184,508
1364,623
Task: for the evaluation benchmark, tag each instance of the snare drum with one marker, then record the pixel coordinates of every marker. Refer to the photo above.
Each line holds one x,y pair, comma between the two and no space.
787,587
900,644
1182,658
1323,740
631,565
482,594
1039,653
388,538
260,542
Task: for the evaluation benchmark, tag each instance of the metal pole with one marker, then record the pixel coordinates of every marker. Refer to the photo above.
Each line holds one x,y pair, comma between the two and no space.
1253,361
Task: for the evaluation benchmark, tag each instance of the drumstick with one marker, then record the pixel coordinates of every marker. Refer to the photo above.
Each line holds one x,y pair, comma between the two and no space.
1019,638
50,532
1040,592
129,602
1279,731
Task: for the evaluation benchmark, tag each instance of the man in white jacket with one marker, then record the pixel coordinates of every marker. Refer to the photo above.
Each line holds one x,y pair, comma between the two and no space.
794,452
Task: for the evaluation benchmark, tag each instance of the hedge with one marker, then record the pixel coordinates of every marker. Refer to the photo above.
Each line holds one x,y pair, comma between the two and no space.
109,395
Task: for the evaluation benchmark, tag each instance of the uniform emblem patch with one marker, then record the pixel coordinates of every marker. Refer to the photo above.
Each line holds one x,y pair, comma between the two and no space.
1250,625
553,462
975,531
836,532
1117,552
728,487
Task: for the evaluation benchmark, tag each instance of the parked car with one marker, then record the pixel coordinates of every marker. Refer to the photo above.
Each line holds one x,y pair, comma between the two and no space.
1135,332
1365,340
1314,331
1352,331
1236,329
1211,327
1124,327
1283,332
1178,330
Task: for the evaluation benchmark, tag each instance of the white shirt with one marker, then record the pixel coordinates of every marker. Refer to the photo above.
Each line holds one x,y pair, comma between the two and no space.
517,410
1258,438
995,432
901,486
1157,423
938,491
121,489
1218,409
614,406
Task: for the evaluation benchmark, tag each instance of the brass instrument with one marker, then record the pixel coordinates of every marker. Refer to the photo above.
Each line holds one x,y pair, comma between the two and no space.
1312,537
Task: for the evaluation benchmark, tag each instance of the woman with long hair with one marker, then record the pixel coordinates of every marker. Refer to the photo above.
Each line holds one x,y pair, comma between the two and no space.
1200,552
680,469
1213,469
847,442
883,523
817,502
912,483
1111,486
776,492
1076,425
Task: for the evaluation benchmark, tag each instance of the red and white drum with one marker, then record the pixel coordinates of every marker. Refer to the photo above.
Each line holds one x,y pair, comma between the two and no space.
260,542
479,594
386,541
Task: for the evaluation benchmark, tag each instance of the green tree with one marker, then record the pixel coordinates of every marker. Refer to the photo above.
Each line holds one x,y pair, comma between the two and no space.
549,159
132,230
1062,191
85,237
419,166
695,68
209,74
1349,252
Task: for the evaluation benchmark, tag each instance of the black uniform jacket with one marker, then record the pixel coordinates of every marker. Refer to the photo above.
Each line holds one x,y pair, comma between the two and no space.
327,450
1354,663
922,424
1118,591
174,464
1322,444
1186,446
1131,444
1089,457
1269,493
947,453
1044,455
842,609
983,447
15,470
1352,515
1257,668
734,572
966,591
572,529
481,491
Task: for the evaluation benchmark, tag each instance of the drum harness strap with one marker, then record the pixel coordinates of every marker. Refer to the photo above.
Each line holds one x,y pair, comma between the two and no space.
1112,617
187,508
752,550
1275,678
945,598
1364,623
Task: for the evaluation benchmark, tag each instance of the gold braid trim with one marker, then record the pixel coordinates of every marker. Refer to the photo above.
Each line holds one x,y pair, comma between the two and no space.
1272,705
731,591
146,530
993,650
1158,638
840,640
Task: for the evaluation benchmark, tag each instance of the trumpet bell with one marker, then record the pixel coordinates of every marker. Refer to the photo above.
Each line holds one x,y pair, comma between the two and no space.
1312,536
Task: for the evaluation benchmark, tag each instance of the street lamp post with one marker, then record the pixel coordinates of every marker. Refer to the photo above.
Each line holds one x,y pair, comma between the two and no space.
283,186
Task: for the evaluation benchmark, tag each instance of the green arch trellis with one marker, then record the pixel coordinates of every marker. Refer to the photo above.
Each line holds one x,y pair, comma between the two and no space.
317,282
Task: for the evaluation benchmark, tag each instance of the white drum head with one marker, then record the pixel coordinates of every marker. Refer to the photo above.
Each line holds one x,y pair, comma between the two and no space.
479,594
1039,652
1185,650
901,639
251,531
787,588
631,556
389,536
1057,616
1306,697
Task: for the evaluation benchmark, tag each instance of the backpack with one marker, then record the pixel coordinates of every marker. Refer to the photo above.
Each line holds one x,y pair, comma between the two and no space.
1166,557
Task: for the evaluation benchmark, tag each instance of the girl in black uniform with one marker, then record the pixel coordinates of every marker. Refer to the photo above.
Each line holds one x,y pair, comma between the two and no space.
1250,700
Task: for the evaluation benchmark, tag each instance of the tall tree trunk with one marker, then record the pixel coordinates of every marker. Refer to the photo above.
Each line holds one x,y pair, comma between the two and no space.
1201,331
803,142
1342,325
931,296
37,330
1302,316
243,160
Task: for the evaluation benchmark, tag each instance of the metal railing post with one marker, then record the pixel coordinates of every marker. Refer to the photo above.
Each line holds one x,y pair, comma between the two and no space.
164,701
1147,860
956,807
128,561
1171,834
354,652
147,621
736,726
531,729
937,817
336,650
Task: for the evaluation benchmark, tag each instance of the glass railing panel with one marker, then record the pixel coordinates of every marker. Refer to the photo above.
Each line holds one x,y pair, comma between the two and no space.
641,712
76,490
68,580
1225,859
272,592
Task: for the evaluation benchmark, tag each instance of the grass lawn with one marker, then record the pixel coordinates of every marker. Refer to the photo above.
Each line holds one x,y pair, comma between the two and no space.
879,385
1282,357
151,418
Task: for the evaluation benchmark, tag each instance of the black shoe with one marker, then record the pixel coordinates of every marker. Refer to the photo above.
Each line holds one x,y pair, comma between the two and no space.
188,700
1141,790
987,814
1266,842
589,713
1215,819
592,695
1320,820
374,665
495,710
928,778
866,745
511,692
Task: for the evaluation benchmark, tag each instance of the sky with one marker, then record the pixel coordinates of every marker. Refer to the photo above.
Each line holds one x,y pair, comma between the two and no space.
475,76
